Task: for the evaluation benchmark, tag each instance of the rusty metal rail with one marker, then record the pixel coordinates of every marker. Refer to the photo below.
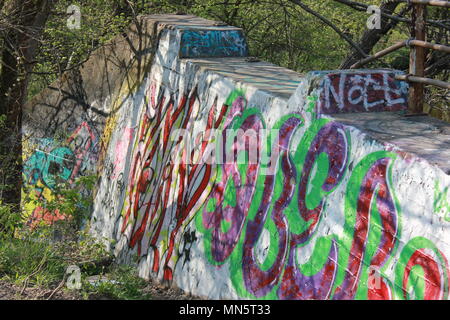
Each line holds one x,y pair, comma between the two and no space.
428,81
418,46
436,3
399,45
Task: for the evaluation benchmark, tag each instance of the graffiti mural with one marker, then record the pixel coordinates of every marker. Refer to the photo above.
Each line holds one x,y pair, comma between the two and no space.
236,204
362,92
213,43
174,199
422,271
154,172
51,163
341,267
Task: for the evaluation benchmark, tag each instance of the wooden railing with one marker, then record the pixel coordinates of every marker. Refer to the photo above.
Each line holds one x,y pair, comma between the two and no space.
418,45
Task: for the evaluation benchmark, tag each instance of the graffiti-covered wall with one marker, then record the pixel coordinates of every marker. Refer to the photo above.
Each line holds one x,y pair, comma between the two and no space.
234,178
64,125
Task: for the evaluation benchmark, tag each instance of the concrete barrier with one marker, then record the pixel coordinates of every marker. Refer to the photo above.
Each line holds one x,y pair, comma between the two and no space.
235,178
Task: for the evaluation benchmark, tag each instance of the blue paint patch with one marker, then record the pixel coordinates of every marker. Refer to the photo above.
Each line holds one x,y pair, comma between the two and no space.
213,43
51,168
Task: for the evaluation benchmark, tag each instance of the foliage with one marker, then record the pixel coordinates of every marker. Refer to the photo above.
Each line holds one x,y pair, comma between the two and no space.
10,216
64,49
34,261
74,200
39,257
71,200
10,221
30,261
121,283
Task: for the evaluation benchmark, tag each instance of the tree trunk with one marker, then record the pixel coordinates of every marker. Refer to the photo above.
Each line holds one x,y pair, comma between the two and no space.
26,20
371,37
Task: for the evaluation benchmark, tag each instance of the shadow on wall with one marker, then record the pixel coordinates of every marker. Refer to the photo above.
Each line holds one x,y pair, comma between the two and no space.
66,125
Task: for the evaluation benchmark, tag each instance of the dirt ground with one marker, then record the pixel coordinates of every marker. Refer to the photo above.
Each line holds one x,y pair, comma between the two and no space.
10,291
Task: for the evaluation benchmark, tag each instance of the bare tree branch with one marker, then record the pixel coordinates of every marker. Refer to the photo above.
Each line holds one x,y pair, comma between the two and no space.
331,25
363,7
371,37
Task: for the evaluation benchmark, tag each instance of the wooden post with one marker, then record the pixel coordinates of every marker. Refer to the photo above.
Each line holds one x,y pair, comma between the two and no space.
417,58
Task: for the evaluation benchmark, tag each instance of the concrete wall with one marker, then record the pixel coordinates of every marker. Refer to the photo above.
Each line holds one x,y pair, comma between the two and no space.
346,197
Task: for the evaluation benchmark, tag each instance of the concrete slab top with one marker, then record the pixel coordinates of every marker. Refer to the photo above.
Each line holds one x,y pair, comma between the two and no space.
262,75
187,22
424,136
